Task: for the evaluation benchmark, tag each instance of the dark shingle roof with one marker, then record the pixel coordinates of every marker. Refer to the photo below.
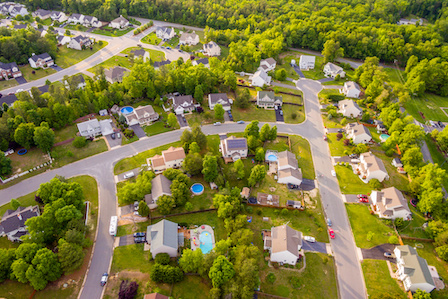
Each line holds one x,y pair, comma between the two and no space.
11,220
161,63
44,56
10,99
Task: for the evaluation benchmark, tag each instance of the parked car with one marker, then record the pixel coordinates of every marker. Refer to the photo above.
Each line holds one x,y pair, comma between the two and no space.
329,223
363,199
292,186
333,173
128,175
340,130
139,240
362,196
112,136
388,255
309,239
441,124
240,122
118,135
217,123
276,107
353,156
281,112
139,235
331,233
104,279
168,48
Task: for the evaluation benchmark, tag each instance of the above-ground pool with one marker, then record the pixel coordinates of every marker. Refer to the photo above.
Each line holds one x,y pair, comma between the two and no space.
272,158
126,110
205,242
197,189
384,137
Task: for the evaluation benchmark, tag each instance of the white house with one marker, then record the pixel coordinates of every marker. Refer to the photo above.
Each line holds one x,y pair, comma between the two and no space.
410,21
358,133
307,62
413,270
90,21
119,23
63,40
390,203
267,99
14,9
284,244
219,98
58,16
163,238
13,222
79,42
351,89
42,14
268,64
89,128
211,49
43,60
165,33
349,108
397,162
170,158
183,103
143,115
332,70
260,78
233,148
76,18
189,39
141,53
288,169
371,167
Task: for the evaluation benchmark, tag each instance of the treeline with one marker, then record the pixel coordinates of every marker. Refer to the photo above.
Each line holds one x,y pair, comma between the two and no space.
18,45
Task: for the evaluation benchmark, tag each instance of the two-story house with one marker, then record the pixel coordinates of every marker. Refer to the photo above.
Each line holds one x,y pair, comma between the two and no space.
332,70
283,243
358,133
170,158
119,23
268,64
349,108
79,42
141,54
288,171
183,103
260,78
58,16
13,222
163,238
307,62
371,167
390,203
165,33
219,98
143,115
115,74
211,49
267,99
42,14
43,60
9,70
92,128
233,148
191,39
351,89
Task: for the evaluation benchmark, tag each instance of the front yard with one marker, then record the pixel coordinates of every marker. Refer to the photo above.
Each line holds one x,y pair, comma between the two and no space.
67,57
67,153
151,39
27,72
112,62
112,32
337,146
349,182
379,283
4,84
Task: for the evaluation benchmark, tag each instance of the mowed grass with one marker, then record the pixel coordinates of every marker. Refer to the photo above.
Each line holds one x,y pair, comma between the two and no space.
318,280
429,105
349,182
153,54
253,113
293,114
4,84
112,62
151,39
437,156
65,133
31,159
379,283
337,147
112,32
27,72
158,128
67,57
362,223
301,147
67,153
398,180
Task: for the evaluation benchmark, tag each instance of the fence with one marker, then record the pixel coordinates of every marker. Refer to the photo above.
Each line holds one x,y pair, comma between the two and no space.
4,181
180,214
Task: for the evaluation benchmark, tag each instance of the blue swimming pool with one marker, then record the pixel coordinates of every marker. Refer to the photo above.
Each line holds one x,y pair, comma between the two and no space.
126,110
384,137
272,158
205,242
197,189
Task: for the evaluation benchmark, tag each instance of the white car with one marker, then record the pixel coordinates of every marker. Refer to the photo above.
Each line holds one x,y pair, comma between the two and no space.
333,173
309,239
128,175
217,123
104,279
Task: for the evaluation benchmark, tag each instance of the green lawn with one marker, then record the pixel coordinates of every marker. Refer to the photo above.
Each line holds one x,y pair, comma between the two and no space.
156,55
379,283
286,58
172,42
293,114
112,32
4,84
32,158
437,156
65,133
158,128
67,153
112,62
374,133
414,228
398,180
151,39
397,76
253,113
317,281
290,90
311,74
324,93
301,147
362,223
337,147
67,57
349,182
27,72
429,105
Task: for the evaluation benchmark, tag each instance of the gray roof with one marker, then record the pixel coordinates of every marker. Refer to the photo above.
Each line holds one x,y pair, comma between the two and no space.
20,26
285,238
210,45
219,98
120,20
334,68
81,38
160,185
8,66
352,85
270,61
416,267
161,63
88,18
138,53
44,88
164,30
268,97
9,99
358,129
76,16
163,233
202,61
115,73
183,101
42,12
43,56
11,221
93,123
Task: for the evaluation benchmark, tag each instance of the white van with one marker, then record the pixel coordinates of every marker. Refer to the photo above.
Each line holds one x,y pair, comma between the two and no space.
128,175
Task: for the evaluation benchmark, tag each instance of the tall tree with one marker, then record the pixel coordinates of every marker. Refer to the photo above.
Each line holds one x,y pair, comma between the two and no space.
5,165
332,50
265,132
193,163
210,168
221,271
171,120
252,129
239,168
24,135
70,256
219,111
257,174
44,137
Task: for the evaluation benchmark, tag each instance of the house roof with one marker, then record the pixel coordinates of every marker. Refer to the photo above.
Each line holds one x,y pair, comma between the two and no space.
89,19
142,110
76,16
290,172
92,123
219,98
358,129
307,58
392,198
210,45
245,192
268,96
270,61
373,162
262,74
348,104
42,12
115,72
173,153
120,20
334,68
183,101
43,56
138,53
187,36
397,161
15,219
417,267
56,14
157,161
20,26
352,85
163,233
44,88
284,238
106,127
155,296
233,143
8,66
203,61
9,99
287,158
160,185
81,39
164,30
161,63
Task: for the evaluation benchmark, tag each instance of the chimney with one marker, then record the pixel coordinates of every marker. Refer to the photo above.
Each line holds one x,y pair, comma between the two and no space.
19,216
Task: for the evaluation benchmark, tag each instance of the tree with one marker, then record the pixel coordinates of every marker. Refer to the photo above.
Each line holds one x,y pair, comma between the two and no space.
165,204
44,137
191,261
256,175
7,257
273,133
419,294
239,168
360,148
186,138
23,135
442,252
259,154
180,192
228,205
221,271
198,93
265,132
271,278
193,162
143,209
219,111
281,74
5,165
79,142
194,148
15,204
332,50
44,267
412,157
252,129
172,120
162,258
442,139
70,256
252,143
199,137
210,168
243,99
128,290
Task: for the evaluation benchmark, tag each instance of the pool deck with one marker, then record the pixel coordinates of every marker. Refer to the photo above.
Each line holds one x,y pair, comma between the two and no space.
195,232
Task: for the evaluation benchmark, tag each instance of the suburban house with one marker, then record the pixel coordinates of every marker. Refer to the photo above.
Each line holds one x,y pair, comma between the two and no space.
20,26
267,99
332,70
183,103
283,243
307,62
93,127
143,115
87,21
288,169
9,70
358,133
233,148
371,167
58,16
8,99
390,203
115,74
42,14
63,40
165,33
75,18
119,23
42,31
171,158
78,80
260,78
159,64
397,162
13,9
160,185
43,60
410,22
13,222
268,64
203,61
413,270
219,98
211,49
163,238
349,108
141,53
351,89
155,296
189,39
79,42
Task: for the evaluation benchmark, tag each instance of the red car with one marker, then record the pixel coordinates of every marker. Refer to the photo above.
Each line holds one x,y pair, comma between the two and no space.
362,196
363,199
331,233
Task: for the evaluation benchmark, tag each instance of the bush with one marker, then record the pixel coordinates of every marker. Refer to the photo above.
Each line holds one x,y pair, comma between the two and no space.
271,278
162,258
249,210
284,212
390,152
79,142
189,206
393,240
128,290
69,154
399,222
339,136
346,142
259,212
336,97
294,115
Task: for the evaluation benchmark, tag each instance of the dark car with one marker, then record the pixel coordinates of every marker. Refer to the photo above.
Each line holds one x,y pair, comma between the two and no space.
139,240
340,130
292,186
441,124
112,136
353,156
139,235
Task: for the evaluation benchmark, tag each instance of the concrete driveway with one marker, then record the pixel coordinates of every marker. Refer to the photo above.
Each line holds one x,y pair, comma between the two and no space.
21,80
377,252
113,142
278,116
315,247
138,131
182,122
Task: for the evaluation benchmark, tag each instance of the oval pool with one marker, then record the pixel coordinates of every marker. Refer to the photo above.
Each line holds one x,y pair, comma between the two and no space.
126,110
205,242
383,137
272,158
197,189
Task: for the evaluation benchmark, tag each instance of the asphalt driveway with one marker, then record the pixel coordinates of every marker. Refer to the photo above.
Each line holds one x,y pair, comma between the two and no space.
298,71
315,247
325,80
138,131
113,142
307,185
126,240
21,80
56,68
377,252
278,116
181,121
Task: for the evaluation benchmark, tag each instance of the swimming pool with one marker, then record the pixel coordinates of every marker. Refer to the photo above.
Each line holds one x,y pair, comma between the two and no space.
272,158
383,137
205,242
197,189
126,110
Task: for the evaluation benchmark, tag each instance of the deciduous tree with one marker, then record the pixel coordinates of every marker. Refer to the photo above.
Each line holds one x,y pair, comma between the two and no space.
210,168
221,271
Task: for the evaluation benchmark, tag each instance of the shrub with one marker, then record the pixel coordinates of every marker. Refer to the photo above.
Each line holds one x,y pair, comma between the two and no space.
69,154
249,210
189,206
336,97
390,152
399,222
100,43
393,240
294,115
370,236
271,278
79,142
343,121
259,212
339,136
128,289
284,212
346,142
162,259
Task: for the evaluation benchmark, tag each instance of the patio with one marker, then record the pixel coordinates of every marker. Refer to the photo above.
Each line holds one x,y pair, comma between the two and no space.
196,241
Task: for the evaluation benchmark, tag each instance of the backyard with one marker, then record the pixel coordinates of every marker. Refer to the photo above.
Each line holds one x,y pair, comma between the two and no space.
349,182
430,105
67,57
379,283
31,159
